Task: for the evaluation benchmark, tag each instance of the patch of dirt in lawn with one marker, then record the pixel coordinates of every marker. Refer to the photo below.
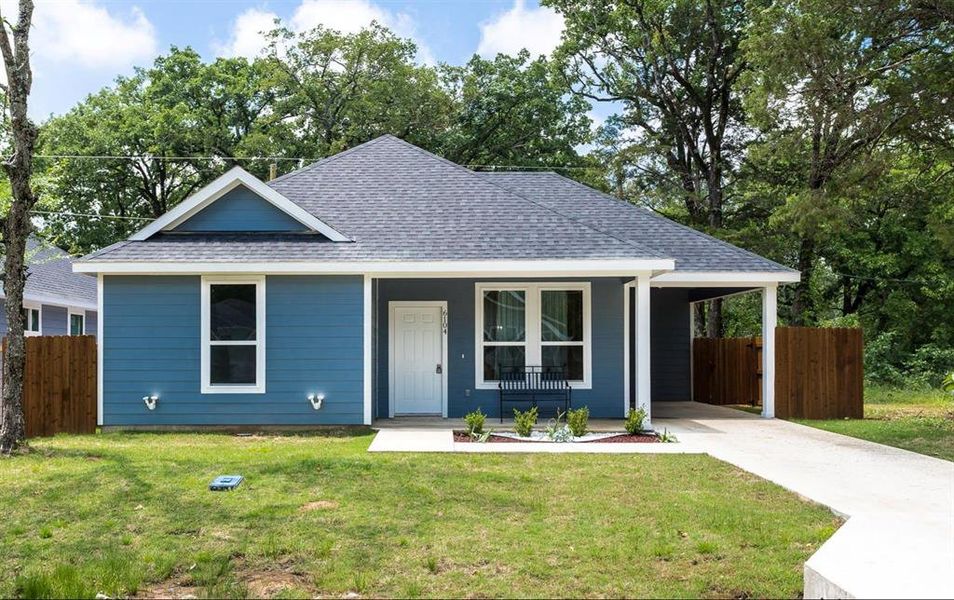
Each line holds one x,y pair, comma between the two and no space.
319,505
259,583
267,584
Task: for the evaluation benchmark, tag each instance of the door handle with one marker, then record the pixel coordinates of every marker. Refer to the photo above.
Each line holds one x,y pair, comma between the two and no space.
440,368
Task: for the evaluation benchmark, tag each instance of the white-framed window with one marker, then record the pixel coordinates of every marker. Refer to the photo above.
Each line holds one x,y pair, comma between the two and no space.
77,323
32,319
233,335
533,324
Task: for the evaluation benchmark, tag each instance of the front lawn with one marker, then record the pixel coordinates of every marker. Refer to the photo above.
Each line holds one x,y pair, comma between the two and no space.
129,514
917,420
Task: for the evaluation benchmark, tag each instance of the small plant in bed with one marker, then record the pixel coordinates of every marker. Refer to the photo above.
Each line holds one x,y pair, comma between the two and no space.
634,421
523,422
558,431
475,422
577,420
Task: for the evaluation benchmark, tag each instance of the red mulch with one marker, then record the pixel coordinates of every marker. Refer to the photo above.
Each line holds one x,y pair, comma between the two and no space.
623,438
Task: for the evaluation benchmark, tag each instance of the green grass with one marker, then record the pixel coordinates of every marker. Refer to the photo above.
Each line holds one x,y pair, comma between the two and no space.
917,420
126,514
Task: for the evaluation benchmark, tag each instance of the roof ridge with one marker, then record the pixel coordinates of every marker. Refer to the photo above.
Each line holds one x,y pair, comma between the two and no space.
659,217
327,159
477,176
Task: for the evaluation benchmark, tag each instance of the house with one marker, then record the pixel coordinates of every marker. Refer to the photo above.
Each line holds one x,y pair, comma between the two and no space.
56,301
387,281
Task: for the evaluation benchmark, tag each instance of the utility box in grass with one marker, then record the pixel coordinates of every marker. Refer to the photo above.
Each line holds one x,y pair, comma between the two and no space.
225,483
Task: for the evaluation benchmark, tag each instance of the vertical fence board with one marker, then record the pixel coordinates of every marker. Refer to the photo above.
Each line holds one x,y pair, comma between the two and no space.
59,385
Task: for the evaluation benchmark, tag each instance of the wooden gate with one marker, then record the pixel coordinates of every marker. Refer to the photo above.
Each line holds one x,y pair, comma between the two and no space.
819,372
59,385
727,370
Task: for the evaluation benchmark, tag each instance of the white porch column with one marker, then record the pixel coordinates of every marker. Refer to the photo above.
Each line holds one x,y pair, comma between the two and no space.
368,307
769,321
642,347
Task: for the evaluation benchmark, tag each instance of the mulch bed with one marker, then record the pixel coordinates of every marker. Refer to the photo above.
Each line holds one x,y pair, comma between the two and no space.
623,438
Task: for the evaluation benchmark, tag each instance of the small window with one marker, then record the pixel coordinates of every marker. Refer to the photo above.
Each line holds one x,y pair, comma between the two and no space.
505,331
233,315
77,324
31,320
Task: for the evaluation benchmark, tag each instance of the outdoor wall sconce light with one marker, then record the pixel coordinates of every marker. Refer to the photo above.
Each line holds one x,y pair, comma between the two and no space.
316,400
150,401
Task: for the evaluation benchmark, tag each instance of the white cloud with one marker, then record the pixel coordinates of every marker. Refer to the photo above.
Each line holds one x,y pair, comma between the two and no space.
536,29
346,16
80,32
248,31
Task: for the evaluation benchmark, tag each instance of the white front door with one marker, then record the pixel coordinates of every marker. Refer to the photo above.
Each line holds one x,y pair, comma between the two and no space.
417,359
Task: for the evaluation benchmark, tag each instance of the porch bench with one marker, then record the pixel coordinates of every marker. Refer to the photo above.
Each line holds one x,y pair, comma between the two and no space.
533,385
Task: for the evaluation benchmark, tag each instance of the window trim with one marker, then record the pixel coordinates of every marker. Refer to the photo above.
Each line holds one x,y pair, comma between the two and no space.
533,343
70,313
206,342
27,305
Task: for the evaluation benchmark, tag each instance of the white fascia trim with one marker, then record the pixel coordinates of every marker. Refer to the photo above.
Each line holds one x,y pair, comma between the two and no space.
723,278
460,268
56,301
224,184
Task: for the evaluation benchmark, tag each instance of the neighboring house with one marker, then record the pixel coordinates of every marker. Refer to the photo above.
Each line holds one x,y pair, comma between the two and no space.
56,301
387,281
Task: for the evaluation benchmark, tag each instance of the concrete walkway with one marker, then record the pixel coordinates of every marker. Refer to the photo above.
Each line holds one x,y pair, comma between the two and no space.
899,538
898,541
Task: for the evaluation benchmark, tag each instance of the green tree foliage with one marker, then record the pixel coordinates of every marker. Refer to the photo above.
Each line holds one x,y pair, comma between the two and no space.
675,68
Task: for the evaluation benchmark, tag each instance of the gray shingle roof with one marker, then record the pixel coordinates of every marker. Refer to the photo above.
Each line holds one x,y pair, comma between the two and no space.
50,274
399,202
692,249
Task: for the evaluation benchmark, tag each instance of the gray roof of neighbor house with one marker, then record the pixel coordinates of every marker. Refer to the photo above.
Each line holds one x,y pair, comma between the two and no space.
401,203
51,277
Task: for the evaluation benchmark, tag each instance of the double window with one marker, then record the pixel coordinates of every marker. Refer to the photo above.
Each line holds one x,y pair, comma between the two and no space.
233,335
540,324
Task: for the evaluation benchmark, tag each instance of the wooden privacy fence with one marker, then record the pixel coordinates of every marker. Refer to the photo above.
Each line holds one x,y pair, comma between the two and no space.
819,372
59,385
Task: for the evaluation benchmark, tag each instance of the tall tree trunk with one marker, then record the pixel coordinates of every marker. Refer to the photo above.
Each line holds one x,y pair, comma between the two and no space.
714,325
16,226
803,307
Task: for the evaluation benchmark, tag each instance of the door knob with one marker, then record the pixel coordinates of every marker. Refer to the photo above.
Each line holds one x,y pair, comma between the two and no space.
440,369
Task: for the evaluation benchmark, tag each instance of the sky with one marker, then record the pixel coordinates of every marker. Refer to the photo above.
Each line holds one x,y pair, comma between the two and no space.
79,46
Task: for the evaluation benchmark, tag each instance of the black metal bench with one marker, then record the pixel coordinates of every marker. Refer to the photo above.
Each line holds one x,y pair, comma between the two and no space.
534,385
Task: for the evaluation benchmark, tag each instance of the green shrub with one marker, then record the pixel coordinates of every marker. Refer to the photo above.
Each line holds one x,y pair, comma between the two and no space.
523,422
634,421
577,420
475,421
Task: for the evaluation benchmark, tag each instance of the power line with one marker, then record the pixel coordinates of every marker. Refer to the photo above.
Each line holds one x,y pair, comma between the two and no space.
93,215
132,157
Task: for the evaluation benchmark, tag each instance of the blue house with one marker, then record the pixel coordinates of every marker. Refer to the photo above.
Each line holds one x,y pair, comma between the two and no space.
56,301
386,281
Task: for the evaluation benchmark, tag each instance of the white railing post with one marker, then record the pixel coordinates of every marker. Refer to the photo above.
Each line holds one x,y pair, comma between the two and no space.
642,347
769,321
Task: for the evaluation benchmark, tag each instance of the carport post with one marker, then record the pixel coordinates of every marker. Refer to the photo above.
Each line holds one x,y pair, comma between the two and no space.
769,321
642,347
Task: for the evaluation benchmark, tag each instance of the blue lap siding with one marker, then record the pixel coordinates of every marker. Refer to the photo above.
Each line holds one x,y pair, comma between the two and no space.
605,399
241,210
152,343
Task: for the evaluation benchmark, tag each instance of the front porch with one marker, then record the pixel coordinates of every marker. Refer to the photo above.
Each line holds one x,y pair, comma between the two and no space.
437,343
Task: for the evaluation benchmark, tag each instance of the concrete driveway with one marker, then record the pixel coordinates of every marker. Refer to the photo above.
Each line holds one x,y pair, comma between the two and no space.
899,538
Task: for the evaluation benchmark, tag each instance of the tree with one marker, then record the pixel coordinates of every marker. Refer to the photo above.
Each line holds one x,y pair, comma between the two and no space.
179,107
512,111
335,91
16,224
831,82
675,68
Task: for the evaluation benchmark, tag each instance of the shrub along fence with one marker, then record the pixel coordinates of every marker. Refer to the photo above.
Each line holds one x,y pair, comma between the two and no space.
819,372
59,385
